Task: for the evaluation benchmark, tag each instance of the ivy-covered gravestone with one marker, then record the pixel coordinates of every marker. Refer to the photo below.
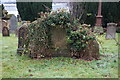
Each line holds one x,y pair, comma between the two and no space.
54,35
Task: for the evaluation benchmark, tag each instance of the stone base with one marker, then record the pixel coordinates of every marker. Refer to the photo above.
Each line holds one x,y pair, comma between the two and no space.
59,53
110,36
53,53
20,51
98,29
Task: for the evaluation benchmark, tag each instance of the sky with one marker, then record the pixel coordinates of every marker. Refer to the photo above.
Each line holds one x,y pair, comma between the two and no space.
11,7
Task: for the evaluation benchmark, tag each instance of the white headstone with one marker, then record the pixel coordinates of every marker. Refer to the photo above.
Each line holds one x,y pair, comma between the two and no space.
111,31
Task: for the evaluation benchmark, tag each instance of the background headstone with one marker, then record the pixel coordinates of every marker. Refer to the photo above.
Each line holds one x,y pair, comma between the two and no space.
5,31
111,31
5,28
13,23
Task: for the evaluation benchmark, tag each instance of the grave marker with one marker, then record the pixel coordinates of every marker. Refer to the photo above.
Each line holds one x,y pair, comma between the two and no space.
111,31
13,23
22,37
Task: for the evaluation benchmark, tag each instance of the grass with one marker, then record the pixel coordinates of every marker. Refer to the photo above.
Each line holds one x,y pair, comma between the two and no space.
14,66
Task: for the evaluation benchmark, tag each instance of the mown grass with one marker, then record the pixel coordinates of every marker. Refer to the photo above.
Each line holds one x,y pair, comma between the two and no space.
14,66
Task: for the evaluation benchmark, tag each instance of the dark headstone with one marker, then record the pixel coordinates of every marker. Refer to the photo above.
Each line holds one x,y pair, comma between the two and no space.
111,31
3,24
5,31
22,37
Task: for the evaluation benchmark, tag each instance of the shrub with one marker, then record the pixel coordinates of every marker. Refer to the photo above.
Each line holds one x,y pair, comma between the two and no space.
78,40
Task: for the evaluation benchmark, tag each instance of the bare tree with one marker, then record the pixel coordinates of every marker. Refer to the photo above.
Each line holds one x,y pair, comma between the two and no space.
77,9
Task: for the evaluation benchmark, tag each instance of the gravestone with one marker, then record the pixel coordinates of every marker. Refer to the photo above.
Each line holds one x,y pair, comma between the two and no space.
20,25
59,44
111,31
22,37
59,47
5,31
13,23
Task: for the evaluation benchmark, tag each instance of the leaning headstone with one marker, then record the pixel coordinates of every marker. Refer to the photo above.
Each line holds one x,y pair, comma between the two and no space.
111,31
22,37
13,23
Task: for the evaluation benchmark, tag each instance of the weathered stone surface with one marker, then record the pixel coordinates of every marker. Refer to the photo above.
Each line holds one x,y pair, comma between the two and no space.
58,39
60,53
5,28
22,23
22,37
13,24
111,31
5,31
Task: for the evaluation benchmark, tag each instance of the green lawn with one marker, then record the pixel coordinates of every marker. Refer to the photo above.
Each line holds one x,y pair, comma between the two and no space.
14,66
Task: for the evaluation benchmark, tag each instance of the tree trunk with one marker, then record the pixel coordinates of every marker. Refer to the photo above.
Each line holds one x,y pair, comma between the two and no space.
77,10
